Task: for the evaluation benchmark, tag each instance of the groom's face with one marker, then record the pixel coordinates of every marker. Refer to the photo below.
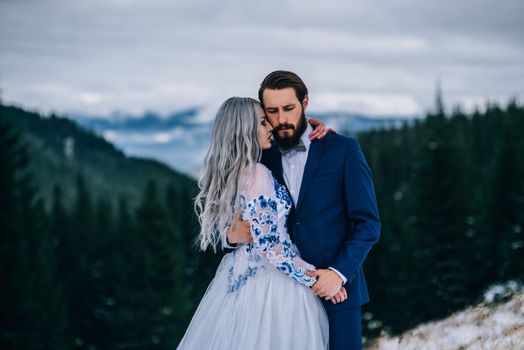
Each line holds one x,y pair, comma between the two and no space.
286,114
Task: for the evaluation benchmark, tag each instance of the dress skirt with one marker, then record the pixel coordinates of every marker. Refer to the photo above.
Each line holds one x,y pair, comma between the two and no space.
256,306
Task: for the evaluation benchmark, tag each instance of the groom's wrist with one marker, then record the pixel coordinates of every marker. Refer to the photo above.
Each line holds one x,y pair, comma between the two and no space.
342,277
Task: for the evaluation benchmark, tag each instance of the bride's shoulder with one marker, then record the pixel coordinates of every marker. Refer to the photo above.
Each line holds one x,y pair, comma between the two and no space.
262,170
257,169
258,174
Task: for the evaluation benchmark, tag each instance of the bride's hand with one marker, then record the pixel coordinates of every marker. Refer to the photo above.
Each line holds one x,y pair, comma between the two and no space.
340,296
319,129
239,232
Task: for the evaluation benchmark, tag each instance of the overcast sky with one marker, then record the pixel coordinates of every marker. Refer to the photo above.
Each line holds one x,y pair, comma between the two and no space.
378,57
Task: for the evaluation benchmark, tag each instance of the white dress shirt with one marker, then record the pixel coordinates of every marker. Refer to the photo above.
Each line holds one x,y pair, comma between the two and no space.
293,164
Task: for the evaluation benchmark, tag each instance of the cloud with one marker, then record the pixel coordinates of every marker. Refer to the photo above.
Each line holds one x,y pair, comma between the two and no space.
369,104
141,138
94,56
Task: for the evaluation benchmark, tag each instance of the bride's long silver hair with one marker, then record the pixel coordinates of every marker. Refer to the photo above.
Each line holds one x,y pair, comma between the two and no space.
234,148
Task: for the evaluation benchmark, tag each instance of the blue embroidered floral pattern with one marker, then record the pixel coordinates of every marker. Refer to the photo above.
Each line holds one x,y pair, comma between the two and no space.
266,205
262,212
282,194
240,280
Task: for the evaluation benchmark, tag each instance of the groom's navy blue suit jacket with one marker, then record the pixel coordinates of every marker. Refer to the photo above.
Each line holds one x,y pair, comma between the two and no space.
335,222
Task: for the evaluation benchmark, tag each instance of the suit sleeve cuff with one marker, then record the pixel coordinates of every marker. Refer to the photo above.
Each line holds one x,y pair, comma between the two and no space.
344,279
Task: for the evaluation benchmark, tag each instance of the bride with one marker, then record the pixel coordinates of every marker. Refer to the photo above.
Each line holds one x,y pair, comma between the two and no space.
260,296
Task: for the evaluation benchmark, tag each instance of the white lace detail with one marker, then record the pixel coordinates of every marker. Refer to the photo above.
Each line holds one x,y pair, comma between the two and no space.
266,204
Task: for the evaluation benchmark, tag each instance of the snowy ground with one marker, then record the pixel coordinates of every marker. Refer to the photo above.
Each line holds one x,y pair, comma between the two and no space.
492,325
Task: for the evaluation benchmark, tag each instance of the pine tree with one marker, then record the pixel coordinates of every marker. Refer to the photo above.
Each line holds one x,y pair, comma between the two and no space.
81,270
32,314
505,205
120,275
149,287
439,222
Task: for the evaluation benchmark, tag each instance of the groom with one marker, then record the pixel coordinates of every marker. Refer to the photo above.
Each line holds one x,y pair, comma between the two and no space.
334,220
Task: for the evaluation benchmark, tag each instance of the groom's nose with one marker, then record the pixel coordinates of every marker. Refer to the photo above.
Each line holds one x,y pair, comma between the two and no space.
281,117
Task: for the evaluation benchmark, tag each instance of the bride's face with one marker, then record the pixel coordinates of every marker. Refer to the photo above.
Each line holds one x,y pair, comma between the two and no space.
264,130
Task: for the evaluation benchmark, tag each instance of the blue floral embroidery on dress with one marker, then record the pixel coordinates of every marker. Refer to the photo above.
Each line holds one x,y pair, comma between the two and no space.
241,279
251,253
263,213
282,194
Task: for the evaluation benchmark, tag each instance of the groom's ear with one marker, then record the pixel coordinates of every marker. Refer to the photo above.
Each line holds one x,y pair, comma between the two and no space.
305,102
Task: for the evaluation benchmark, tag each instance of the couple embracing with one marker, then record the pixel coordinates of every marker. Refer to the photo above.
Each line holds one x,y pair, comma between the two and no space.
296,209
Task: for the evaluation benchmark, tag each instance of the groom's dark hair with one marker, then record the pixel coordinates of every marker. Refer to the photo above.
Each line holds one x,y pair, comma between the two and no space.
281,79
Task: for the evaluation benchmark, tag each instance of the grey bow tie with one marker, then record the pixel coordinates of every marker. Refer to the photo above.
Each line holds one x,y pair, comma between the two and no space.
300,147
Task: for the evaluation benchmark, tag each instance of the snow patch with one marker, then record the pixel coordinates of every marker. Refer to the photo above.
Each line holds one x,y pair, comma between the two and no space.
494,326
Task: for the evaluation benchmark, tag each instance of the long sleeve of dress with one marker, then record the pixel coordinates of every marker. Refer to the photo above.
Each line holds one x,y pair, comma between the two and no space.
261,203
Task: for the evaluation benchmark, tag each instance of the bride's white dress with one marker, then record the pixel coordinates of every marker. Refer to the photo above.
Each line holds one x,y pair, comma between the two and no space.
260,296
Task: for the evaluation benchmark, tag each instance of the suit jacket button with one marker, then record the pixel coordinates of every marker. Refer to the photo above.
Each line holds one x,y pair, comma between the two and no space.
298,223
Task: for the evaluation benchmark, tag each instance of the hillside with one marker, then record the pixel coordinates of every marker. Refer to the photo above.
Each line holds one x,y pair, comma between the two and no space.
60,149
493,326
106,270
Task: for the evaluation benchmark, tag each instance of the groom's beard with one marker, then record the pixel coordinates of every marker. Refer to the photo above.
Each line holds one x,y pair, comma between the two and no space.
293,139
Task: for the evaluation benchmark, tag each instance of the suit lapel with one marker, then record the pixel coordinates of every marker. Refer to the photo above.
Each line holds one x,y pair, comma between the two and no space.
276,164
316,151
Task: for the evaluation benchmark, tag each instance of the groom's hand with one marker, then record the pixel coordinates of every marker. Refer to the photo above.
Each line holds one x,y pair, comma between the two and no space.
239,232
328,283
341,296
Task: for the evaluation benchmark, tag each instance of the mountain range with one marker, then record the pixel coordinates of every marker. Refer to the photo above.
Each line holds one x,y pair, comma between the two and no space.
181,138
61,149
118,155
